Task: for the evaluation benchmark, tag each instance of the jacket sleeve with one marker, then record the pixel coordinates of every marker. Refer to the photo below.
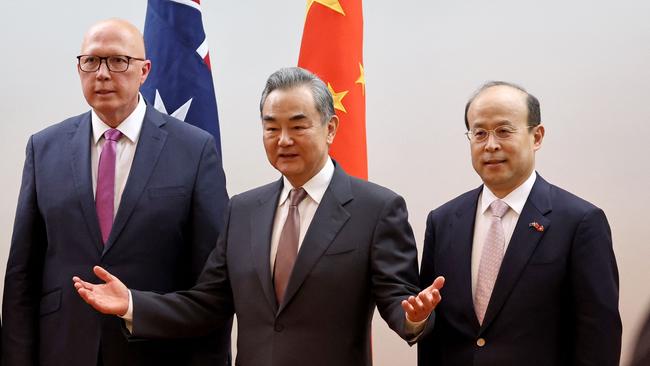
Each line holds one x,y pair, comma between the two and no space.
594,282
20,305
394,265
209,201
427,275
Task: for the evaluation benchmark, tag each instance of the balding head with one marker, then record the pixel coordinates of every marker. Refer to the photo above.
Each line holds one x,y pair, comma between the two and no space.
531,102
127,35
114,94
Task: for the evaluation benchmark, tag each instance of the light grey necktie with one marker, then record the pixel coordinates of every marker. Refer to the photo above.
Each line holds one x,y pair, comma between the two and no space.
288,245
491,259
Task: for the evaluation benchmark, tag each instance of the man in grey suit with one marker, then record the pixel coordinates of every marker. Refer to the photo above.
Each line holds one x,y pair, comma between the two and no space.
311,306
151,216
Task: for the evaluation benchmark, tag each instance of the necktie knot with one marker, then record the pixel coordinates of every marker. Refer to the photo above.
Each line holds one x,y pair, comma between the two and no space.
499,208
112,134
296,196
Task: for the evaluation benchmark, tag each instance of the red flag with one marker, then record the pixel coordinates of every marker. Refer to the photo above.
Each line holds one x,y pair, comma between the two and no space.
332,48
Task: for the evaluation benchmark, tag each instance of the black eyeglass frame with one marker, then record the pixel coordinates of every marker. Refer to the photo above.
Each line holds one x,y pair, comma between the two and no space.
105,60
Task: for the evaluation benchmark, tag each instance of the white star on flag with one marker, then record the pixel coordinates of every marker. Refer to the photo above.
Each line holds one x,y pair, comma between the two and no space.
180,113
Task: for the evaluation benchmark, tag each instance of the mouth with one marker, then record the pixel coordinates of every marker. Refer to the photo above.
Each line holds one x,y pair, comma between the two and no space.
103,92
493,162
287,156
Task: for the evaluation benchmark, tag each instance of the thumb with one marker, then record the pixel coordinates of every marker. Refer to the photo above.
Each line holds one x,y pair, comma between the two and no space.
438,283
102,274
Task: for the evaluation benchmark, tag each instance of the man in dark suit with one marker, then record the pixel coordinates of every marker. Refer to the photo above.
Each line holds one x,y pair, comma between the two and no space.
531,274
311,306
155,229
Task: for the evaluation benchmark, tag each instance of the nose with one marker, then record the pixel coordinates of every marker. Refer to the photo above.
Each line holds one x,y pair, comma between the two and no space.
102,72
285,138
492,143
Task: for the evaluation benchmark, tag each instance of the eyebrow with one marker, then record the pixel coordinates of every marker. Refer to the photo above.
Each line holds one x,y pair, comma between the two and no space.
499,123
296,117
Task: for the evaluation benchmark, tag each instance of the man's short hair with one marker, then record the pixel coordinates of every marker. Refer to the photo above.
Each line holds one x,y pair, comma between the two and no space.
534,114
292,77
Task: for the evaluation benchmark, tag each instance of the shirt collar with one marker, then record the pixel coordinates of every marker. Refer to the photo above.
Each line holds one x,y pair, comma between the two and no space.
130,127
315,187
515,199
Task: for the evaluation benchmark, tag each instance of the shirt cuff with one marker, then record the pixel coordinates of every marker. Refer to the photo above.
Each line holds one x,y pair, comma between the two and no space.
128,317
415,329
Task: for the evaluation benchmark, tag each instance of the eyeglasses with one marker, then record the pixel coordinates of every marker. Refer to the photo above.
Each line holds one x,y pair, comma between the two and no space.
117,63
478,135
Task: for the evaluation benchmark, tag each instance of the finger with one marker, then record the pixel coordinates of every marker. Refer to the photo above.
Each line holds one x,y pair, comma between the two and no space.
427,299
81,282
102,274
408,308
418,304
85,295
436,296
439,282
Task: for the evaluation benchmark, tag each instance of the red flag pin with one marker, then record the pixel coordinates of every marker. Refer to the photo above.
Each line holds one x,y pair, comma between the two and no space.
537,226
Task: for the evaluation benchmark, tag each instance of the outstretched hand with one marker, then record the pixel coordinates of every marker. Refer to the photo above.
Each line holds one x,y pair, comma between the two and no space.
111,297
418,308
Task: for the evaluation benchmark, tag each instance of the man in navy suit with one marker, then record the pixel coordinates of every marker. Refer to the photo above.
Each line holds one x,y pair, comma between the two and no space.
531,274
164,205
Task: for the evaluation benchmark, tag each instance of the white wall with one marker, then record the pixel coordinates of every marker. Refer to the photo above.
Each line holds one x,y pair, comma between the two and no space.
587,61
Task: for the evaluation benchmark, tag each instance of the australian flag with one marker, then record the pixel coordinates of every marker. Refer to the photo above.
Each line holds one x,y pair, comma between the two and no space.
180,82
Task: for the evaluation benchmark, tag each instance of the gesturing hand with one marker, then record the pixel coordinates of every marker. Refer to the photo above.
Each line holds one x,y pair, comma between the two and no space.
418,308
111,297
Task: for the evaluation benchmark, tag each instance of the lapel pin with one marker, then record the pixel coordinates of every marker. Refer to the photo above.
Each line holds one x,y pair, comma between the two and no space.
537,226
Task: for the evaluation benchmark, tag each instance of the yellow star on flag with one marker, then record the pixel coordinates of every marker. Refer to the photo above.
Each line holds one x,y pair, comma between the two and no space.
332,4
338,98
362,79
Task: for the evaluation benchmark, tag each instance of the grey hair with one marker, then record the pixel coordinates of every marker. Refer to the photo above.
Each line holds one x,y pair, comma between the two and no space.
292,77
532,104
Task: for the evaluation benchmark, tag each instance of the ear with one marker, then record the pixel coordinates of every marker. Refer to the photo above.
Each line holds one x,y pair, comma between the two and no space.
538,136
145,70
332,127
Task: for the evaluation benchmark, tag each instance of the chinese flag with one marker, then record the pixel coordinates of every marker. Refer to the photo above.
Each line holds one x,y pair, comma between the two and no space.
332,48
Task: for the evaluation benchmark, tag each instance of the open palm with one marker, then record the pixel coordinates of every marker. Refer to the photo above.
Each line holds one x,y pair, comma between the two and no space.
111,297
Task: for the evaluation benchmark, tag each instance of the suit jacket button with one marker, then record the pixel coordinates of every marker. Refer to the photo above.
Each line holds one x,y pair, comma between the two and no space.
278,327
480,342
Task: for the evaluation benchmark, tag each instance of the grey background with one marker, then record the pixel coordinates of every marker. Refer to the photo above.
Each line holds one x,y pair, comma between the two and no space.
587,62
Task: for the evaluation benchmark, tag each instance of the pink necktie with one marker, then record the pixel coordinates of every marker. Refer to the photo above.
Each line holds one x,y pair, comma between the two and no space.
105,194
490,259
288,245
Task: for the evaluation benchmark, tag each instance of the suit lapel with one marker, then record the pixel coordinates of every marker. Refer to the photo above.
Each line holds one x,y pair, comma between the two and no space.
261,228
461,256
150,144
82,176
522,245
328,220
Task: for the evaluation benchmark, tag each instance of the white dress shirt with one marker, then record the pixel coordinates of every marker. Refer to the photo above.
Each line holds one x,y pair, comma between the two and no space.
315,189
516,201
125,151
